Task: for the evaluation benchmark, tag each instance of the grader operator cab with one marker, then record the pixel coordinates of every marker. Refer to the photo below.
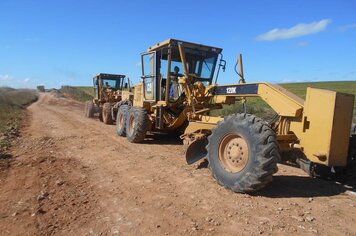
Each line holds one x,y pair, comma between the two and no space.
110,92
177,93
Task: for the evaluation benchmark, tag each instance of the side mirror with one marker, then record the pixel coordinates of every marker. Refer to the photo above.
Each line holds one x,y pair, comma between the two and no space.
222,64
129,84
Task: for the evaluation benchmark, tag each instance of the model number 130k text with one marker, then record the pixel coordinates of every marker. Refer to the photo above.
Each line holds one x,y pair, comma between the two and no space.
231,90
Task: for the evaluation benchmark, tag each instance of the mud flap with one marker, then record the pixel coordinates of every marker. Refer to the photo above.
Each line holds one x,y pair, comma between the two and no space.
196,150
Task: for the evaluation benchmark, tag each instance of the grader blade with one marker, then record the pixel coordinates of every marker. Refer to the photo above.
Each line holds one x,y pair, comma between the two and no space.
196,150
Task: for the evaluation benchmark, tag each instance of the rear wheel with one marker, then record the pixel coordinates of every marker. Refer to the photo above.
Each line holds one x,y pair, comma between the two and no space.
89,109
136,124
86,109
106,114
243,153
121,120
100,114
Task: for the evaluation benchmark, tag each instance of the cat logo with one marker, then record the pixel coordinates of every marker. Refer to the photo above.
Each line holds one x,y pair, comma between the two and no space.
230,90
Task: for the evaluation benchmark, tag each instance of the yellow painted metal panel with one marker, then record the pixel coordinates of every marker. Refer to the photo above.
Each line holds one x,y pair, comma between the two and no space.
126,95
223,99
282,101
138,96
341,128
326,126
211,119
196,125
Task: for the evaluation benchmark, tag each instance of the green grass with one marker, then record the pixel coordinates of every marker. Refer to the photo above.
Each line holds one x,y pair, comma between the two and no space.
342,86
87,90
81,94
258,107
12,113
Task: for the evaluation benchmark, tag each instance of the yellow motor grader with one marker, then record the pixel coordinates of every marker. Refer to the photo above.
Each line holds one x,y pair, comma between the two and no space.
110,91
177,93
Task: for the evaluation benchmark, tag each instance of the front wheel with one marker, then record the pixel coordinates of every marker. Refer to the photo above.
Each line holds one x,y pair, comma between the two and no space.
121,120
243,153
106,114
136,124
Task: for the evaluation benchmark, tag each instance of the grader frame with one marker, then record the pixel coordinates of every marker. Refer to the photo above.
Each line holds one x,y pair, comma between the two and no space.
242,150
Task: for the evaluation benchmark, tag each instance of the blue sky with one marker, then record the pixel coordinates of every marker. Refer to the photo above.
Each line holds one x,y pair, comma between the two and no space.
68,42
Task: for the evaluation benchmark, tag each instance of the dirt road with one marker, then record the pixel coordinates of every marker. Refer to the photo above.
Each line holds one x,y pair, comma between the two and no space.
70,175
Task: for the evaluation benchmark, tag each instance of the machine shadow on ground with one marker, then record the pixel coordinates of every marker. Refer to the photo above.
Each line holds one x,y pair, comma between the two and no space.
163,139
286,186
303,187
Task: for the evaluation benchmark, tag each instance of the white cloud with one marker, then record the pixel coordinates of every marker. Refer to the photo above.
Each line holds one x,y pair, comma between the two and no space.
295,31
344,28
11,81
5,77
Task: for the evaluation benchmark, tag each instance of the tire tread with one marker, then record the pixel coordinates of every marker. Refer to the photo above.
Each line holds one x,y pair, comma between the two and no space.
267,154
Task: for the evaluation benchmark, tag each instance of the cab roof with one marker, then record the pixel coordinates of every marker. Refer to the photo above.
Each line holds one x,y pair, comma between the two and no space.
109,76
175,42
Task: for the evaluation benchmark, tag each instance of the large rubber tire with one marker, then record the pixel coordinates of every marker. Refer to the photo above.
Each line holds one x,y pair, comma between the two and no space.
260,157
121,118
100,114
86,109
89,109
136,124
106,114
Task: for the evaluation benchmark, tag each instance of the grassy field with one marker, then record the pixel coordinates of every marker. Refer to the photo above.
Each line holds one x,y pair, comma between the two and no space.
344,87
81,94
87,90
12,104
